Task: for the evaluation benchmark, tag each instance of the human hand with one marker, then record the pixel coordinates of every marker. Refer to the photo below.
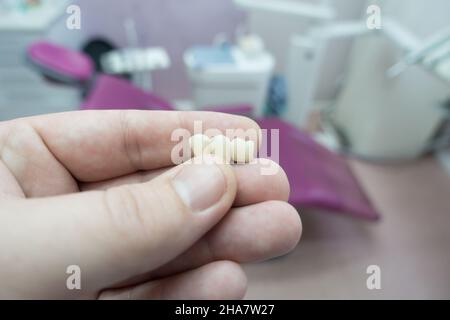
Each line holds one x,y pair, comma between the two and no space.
95,189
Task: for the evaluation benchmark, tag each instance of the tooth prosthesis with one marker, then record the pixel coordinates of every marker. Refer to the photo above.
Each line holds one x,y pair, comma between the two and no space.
197,143
238,150
242,151
219,146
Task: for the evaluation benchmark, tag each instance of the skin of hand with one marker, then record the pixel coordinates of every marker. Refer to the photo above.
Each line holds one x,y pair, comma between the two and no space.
97,189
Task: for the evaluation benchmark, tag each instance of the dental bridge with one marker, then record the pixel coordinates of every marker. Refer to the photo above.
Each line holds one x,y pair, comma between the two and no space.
237,150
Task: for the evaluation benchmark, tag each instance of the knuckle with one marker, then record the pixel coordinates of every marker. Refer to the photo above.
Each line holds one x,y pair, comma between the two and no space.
131,145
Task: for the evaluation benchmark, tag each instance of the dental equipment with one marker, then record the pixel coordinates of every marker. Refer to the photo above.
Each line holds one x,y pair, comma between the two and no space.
229,76
305,53
399,125
429,54
134,59
304,62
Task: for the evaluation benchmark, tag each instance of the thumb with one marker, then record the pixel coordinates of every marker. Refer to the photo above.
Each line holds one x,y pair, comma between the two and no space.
112,235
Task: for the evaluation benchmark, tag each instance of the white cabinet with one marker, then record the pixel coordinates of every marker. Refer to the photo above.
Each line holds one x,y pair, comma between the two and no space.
23,91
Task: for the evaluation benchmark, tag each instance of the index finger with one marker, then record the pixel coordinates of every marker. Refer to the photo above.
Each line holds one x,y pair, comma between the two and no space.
98,145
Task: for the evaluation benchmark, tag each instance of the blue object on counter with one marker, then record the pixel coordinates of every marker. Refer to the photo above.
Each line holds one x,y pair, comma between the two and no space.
277,96
204,56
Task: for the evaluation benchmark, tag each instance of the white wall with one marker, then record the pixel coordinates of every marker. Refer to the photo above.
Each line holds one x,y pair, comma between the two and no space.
422,16
277,30
393,118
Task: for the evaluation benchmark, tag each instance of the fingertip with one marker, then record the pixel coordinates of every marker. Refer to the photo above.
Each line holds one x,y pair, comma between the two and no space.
279,181
275,224
294,228
229,276
285,232
253,184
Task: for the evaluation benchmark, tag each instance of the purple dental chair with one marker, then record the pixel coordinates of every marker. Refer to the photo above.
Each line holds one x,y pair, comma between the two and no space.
70,67
319,178
59,64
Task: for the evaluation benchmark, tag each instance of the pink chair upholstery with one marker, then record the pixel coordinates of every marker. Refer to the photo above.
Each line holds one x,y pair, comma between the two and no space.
60,63
241,109
110,92
318,177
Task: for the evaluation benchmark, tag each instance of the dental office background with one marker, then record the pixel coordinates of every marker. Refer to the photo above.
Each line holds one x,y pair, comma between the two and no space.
378,98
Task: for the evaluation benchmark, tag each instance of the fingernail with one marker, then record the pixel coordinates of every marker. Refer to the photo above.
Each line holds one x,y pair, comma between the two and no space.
200,186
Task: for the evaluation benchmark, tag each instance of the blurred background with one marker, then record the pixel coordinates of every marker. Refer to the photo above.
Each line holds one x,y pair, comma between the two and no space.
360,92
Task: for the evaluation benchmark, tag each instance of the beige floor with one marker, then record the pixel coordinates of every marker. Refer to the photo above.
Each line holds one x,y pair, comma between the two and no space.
411,243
